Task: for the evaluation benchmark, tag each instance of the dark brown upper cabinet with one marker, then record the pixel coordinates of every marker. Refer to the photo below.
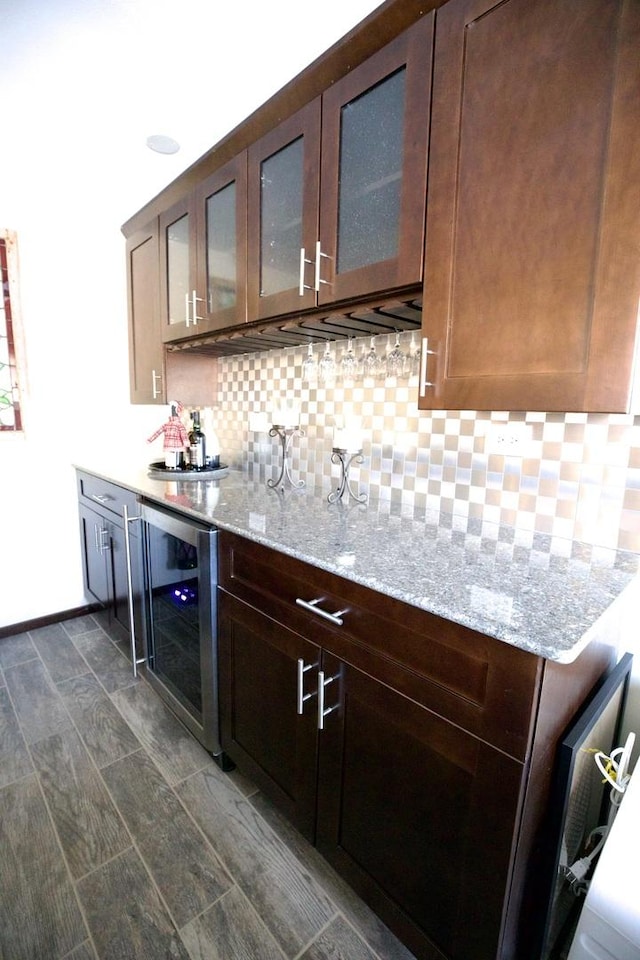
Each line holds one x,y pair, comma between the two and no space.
146,353
337,192
532,263
203,256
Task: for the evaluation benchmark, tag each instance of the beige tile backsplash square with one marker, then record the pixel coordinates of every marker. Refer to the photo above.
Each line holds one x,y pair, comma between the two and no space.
580,478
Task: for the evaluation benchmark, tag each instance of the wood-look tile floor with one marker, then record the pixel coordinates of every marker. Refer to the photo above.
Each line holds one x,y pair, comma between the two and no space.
121,839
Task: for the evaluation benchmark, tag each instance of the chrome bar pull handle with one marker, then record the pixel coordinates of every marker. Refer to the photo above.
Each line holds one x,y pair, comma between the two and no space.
155,391
187,318
195,299
424,355
323,683
103,541
312,607
302,286
319,256
132,622
302,696
101,497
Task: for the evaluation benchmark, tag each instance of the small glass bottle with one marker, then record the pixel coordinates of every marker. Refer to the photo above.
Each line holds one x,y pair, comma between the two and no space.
197,453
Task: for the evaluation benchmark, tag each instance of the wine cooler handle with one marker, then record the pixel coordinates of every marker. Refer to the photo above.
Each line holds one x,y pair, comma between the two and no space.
132,623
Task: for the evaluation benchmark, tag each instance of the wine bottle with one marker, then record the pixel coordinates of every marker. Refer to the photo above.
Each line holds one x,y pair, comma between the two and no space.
197,459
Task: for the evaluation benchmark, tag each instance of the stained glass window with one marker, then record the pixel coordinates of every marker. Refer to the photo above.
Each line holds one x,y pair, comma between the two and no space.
10,419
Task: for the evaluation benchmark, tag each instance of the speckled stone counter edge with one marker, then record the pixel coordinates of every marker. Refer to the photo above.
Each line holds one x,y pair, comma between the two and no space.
547,596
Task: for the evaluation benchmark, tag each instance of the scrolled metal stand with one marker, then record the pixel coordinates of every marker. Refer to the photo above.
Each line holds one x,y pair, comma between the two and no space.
345,458
286,435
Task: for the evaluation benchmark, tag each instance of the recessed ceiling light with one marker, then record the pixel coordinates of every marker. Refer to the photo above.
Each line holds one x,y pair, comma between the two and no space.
161,144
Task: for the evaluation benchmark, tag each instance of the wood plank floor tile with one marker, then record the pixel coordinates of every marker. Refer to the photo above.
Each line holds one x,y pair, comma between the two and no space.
16,649
40,918
355,910
125,914
79,625
338,942
230,930
84,952
15,761
88,825
171,746
288,900
109,665
37,703
106,735
185,869
60,657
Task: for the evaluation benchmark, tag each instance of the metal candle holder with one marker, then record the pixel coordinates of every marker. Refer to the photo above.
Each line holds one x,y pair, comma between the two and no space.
345,458
286,435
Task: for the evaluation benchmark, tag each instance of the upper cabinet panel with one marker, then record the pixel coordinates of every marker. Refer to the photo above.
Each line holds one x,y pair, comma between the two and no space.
221,245
146,353
532,265
375,139
283,193
337,193
203,256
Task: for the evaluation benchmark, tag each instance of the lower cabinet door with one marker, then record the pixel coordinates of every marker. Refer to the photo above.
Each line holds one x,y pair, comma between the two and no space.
417,815
95,533
261,729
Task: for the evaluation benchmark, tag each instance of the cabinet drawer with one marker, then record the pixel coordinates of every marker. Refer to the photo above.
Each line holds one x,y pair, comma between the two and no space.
475,681
105,496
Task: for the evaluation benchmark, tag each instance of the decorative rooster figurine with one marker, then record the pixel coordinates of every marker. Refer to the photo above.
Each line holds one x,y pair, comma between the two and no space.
176,438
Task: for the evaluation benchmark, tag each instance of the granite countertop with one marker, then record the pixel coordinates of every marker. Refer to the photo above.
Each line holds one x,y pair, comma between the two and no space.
545,595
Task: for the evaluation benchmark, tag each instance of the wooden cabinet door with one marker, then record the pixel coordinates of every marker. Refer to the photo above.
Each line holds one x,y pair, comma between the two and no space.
373,184
532,257
417,814
146,352
180,302
221,241
261,729
95,539
283,172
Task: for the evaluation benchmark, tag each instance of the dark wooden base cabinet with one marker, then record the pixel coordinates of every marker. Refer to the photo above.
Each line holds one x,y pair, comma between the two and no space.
102,539
416,754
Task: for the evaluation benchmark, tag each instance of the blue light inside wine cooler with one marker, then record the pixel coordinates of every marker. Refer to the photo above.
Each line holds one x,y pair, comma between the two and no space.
183,595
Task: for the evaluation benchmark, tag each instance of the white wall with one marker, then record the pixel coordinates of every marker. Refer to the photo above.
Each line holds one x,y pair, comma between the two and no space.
82,85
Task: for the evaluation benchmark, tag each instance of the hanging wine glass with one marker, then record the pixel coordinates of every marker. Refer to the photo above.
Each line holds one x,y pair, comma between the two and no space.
372,365
413,364
396,360
327,367
309,366
349,363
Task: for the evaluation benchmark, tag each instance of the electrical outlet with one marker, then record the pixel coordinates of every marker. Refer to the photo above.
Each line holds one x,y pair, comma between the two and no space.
508,439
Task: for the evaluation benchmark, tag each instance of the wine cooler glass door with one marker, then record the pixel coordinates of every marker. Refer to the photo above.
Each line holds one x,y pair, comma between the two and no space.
180,635
174,654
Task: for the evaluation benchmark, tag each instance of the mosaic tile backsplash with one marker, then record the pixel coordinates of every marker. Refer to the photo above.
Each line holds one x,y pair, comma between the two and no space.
571,476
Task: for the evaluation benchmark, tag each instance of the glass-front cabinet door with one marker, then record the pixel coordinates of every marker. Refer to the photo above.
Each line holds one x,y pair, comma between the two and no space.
375,125
221,231
283,188
177,266
341,214
203,256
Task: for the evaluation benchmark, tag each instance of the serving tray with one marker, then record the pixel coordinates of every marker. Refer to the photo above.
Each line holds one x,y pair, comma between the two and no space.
159,471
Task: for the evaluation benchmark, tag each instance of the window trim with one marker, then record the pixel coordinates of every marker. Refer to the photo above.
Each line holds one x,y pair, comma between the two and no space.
8,278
